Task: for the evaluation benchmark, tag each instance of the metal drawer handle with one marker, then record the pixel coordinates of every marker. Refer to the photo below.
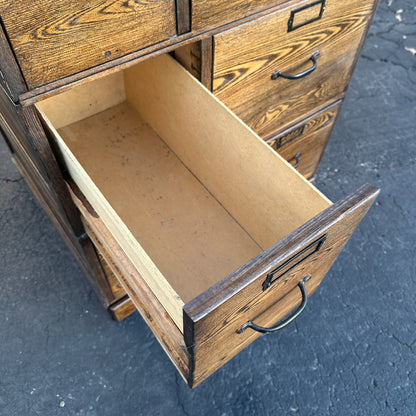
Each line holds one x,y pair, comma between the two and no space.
313,58
297,159
285,322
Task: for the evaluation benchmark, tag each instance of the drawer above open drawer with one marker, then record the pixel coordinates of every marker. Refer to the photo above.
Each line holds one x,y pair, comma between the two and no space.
55,38
220,228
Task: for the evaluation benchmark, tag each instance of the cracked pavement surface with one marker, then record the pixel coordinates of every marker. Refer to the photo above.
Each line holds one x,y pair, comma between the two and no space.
351,353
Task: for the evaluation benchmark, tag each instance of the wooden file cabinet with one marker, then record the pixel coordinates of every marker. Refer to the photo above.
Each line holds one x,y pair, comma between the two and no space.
172,204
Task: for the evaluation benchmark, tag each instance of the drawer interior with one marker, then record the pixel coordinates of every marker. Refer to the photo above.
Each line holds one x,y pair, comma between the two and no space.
188,191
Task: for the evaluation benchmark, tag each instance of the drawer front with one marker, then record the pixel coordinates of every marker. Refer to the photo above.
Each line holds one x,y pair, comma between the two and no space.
55,38
304,144
267,289
319,38
209,13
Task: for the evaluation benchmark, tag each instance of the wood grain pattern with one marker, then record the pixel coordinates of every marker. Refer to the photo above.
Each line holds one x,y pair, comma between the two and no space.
215,145
56,38
83,251
55,87
309,137
116,288
14,129
11,78
207,51
212,320
122,309
183,16
159,321
210,13
42,149
23,126
246,57
202,242
197,59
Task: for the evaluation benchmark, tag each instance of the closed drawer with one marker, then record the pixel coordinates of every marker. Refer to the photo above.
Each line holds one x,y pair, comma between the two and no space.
209,13
184,189
121,305
303,144
56,38
319,37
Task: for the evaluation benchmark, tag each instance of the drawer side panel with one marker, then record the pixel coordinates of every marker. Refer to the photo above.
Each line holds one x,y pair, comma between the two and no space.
57,38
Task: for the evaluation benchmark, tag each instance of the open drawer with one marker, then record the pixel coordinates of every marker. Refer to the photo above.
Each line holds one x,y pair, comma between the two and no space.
216,229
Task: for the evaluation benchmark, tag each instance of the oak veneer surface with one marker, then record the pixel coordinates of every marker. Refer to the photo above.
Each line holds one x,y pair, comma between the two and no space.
56,38
207,13
309,138
11,78
122,308
162,325
245,58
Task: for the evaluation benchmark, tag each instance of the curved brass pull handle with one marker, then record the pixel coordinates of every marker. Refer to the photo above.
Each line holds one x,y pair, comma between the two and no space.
313,58
285,322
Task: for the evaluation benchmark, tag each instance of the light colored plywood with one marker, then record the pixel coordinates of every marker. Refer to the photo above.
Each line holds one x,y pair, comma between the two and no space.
168,217
258,187
84,101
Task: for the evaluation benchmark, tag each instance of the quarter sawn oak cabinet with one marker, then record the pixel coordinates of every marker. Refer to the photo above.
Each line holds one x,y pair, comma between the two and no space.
174,145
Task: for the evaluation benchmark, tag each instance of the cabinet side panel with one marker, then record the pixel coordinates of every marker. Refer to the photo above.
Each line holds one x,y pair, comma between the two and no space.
11,78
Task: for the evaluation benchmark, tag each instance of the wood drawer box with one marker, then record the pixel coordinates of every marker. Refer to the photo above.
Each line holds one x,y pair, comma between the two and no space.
320,37
303,144
217,229
56,38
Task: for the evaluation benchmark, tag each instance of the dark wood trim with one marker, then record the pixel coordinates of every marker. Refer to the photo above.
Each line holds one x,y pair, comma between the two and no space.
22,140
15,131
207,61
11,78
183,16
